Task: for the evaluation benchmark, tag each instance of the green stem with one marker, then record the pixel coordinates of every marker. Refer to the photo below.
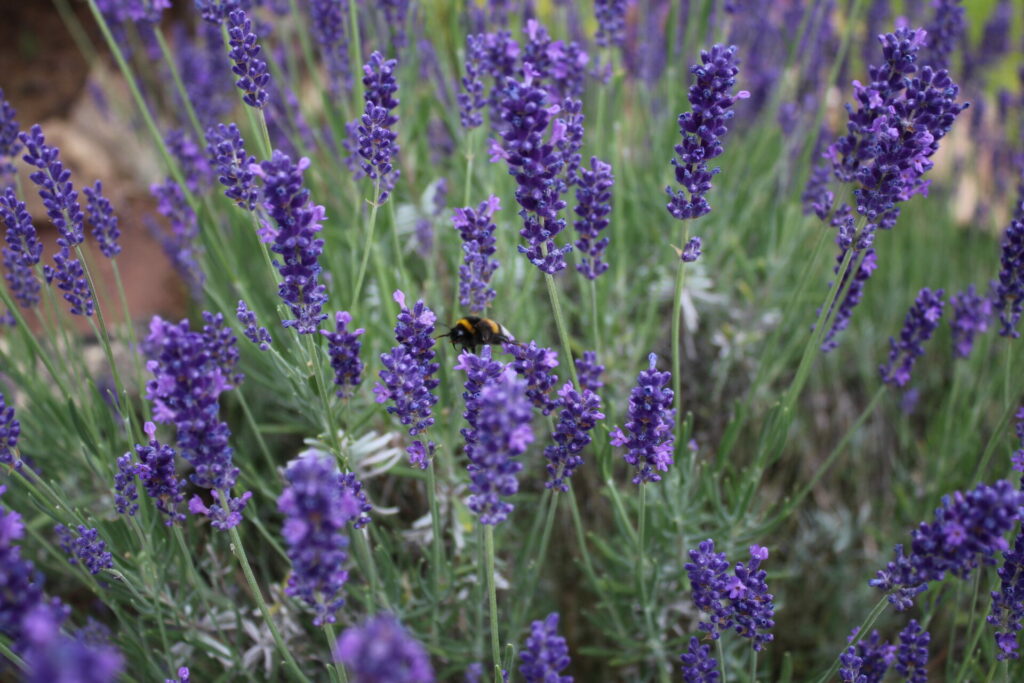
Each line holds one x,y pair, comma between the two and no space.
371,228
437,549
588,565
721,658
677,317
336,669
526,594
979,627
239,551
492,600
13,658
563,334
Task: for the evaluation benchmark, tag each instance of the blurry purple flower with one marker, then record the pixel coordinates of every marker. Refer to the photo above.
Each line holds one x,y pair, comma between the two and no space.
1009,294
476,229
945,33
317,510
225,512
471,99
181,245
395,13
380,649
545,654
124,486
611,22
589,371
10,430
343,349
257,335
53,657
298,222
651,417
22,251
133,11
534,364
817,198
159,477
194,165
593,206
571,141
203,70
253,77
1008,602
9,145
874,656
698,664
921,322
702,129
183,676
912,654
576,420
971,315
968,529
103,220
328,24
376,137
692,251
85,546
233,165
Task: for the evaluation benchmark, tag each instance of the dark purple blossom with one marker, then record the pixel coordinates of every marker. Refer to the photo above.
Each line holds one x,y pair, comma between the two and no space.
103,220
611,22
499,432
545,654
181,244
407,379
183,676
702,130
912,653
328,22
224,513
817,198
968,529
707,573
126,492
354,487
10,430
593,206
253,77
233,165
22,251
691,251
534,364
571,141
9,145
253,332
946,32
480,371
375,134
971,315
476,229
53,657
1008,602
579,413
921,322
471,99
317,511
873,655
849,666
395,13
298,222
1009,294
85,546
589,371
22,582
536,166
343,349
561,67
698,664
380,649
159,477
651,417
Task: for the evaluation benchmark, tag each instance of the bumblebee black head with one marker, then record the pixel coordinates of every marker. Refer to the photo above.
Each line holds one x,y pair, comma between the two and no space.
471,331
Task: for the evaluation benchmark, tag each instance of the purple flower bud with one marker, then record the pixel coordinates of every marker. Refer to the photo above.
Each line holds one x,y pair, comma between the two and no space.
611,22
912,654
1009,294
593,206
922,321
103,220
253,77
971,315
10,430
53,656
691,252
853,296
86,547
471,101
9,145
576,421
159,477
375,137
382,650
124,486
343,349
651,417
476,229
1008,602
189,155
545,653
181,245
22,251
698,664
589,371
946,30
226,151
328,23
257,335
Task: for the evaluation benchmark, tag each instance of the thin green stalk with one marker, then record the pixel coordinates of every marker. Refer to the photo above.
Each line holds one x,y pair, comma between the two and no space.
721,658
753,667
132,337
437,549
397,245
980,625
239,550
588,565
369,566
179,85
527,592
336,669
563,334
677,316
492,600
13,658
370,230
596,320
356,48
862,631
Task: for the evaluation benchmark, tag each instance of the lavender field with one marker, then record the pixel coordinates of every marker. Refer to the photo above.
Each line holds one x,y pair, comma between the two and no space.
523,340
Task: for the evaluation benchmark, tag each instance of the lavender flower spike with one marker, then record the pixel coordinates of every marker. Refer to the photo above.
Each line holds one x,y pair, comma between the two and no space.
159,476
650,441
298,222
577,419
698,664
317,511
253,77
9,145
593,205
1009,295
1008,602
233,165
126,492
476,229
257,335
380,649
85,546
702,130
535,364
545,653
971,315
707,573
343,349
589,371
471,101
922,321
103,220
375,134
912,655
10,430
22,251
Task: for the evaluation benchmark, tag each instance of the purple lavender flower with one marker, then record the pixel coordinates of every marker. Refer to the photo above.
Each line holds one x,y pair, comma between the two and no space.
61,202
702,130
22,582
343,348
124,486
86,547
298,221
159,478
1009,294
571,141
226,151
651,416
476,228
181,244
536,166
561,66
382,650
707,573
194,165
691,252
376,139
698,664
471,100
183,676
257,335
354,487
22,252
407,378
9,145
317,511
123,11
10,430
534,364
103,220
874,655
611,22
191,370
328,19
499,432
849,666
1008,602
593,205
395,13
589,371
817,198
912,655
51,656
480,371
752,611
945,32
971,315
576,420
968,529
253,77
203,71
545,653
922,320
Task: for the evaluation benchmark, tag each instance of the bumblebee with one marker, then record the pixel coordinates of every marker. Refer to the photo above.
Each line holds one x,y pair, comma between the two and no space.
471,332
